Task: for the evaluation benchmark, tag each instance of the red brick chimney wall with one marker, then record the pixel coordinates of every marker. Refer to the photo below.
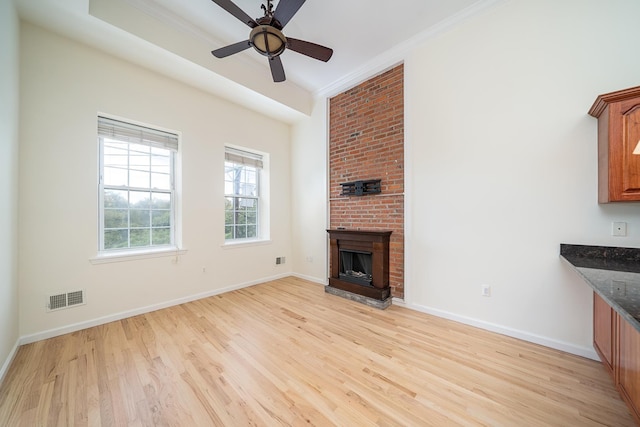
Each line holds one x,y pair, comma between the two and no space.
366,141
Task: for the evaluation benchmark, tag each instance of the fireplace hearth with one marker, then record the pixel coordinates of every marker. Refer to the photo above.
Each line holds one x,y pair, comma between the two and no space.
359,263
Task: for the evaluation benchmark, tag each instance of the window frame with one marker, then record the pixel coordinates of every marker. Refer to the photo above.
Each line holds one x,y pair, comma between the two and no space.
174,227
259,161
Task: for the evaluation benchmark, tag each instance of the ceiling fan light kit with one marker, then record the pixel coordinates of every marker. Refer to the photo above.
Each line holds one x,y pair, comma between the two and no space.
267,40
266,35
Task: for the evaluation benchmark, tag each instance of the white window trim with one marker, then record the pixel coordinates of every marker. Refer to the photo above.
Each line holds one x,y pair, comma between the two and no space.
264,237
234,244
130,254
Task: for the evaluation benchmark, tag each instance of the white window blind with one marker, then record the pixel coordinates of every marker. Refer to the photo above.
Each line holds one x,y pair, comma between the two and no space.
121,131
241,157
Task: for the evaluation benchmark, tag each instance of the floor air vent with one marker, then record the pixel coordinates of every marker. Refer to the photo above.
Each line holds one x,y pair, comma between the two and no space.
65,300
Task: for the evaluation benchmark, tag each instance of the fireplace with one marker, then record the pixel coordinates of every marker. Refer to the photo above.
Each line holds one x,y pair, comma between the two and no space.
359,263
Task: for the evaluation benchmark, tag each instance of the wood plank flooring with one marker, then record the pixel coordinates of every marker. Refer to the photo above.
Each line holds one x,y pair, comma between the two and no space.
284,353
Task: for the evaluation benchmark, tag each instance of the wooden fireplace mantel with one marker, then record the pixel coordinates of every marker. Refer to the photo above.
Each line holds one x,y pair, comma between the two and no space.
374,241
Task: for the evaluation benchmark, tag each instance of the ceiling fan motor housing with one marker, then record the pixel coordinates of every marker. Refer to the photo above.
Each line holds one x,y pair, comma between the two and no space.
268,40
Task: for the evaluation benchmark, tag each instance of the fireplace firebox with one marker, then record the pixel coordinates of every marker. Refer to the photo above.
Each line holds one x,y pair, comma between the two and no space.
355,266
359,262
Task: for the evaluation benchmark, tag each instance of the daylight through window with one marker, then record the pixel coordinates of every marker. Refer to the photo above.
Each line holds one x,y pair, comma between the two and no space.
137,186
242,194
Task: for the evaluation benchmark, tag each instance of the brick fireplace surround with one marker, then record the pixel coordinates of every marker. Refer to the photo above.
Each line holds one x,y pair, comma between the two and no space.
366,141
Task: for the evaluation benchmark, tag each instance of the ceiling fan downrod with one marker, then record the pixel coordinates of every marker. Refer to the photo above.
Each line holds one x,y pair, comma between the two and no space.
268,9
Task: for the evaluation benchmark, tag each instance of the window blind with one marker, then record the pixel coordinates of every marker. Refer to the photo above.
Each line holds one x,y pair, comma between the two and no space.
122,131
243,157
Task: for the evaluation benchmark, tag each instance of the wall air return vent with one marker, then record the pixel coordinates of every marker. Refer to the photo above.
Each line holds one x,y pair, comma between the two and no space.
65,300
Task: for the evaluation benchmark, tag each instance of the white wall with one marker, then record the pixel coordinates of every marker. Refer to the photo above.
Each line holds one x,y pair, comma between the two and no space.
309,195
502,164
63,86
9,77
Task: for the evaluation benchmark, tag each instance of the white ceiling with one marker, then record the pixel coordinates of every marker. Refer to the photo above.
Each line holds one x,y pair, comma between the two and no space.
176,37
357,30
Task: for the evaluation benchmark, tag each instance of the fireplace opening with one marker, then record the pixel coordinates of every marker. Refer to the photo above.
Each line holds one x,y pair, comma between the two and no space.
356,267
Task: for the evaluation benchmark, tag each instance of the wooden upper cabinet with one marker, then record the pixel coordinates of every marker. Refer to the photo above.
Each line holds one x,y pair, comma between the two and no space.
618,115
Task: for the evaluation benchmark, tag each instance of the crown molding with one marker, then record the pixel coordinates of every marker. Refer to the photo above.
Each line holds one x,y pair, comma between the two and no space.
398,53
604,100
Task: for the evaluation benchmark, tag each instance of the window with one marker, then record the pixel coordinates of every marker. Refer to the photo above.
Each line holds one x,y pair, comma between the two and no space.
137,186
242,170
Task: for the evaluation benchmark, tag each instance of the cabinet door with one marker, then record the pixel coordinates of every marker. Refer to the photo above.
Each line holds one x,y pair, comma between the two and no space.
603,325
618,115
629,365
624,151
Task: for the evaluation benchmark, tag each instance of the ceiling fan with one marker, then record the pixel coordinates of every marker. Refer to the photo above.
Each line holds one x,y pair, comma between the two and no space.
266,35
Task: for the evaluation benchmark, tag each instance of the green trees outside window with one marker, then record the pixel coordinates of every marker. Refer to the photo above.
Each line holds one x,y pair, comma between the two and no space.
136,186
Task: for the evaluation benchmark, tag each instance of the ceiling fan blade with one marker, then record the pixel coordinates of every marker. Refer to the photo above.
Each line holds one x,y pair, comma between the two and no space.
231,7
286,9
313,50
277,70
223,52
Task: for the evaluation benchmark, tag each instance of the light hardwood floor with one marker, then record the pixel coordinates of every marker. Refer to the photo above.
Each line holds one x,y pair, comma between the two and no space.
286,353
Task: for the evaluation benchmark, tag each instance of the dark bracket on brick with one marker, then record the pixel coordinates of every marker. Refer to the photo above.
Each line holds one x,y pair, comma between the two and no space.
361,188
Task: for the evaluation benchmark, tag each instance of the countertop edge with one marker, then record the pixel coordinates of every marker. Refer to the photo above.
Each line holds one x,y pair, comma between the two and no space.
621,311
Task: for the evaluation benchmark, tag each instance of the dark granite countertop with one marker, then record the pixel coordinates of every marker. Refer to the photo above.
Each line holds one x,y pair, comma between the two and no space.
613,273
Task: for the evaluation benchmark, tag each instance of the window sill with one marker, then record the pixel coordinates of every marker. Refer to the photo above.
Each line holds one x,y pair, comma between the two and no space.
244,243
122,256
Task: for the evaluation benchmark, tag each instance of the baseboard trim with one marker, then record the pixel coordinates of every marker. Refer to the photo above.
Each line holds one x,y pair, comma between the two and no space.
9,360
586,352
309,278
526,336
400,302
28,339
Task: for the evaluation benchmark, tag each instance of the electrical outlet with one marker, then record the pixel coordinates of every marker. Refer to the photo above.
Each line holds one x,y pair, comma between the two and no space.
280,260
486,290
619,229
